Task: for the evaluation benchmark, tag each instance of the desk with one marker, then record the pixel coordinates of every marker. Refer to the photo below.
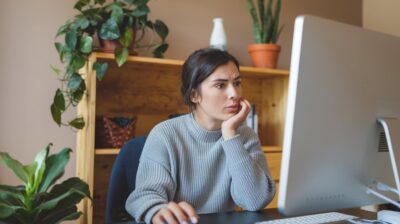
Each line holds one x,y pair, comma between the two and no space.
267,214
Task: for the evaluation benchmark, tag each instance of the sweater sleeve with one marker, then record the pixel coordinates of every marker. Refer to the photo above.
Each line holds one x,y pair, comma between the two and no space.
252,187
154,185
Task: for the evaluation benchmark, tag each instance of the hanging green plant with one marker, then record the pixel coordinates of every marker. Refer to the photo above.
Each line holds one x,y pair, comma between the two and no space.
123,21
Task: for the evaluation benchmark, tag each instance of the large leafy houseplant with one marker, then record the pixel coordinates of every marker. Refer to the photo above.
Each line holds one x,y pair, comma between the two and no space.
124,21
266,32
40,200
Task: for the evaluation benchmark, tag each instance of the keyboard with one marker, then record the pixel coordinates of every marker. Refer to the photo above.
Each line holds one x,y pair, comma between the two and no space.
312,219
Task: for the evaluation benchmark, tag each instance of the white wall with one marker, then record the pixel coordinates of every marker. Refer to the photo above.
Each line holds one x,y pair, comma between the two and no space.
382,16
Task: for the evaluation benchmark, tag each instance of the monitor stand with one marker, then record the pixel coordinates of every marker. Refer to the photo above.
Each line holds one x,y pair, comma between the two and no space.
391,127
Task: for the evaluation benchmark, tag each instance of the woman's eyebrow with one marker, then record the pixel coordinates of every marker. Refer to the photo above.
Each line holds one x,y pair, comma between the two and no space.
225,80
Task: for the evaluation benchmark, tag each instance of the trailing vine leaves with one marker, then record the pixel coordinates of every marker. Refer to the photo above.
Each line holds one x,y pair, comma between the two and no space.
119,20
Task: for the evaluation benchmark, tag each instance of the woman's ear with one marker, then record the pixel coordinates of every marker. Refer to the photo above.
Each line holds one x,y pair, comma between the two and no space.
194,97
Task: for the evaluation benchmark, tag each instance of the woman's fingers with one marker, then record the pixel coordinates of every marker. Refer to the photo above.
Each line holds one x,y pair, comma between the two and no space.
178,212
190,211
175,213
166,216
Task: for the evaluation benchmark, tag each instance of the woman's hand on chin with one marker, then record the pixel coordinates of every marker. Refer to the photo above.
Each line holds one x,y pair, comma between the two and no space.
230,126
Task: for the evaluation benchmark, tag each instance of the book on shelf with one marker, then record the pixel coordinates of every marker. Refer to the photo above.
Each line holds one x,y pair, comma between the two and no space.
252,118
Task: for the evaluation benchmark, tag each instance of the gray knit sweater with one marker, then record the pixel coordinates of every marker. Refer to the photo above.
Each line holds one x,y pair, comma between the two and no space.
181,161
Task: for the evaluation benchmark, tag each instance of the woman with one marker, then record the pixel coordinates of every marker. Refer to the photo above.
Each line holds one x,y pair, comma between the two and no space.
205,161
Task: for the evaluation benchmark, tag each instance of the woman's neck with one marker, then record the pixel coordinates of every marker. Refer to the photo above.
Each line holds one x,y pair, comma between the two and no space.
206,121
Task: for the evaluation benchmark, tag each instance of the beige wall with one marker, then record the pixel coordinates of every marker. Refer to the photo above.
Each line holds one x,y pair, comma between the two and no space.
382,16
27,83
190,22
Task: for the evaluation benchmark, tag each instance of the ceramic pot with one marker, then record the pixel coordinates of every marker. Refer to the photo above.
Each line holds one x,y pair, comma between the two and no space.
264,55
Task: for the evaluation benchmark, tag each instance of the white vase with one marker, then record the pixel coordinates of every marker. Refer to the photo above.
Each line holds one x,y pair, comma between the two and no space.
218,37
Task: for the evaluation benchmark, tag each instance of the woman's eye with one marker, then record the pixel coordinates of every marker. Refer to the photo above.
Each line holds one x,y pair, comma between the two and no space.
238,83
219,85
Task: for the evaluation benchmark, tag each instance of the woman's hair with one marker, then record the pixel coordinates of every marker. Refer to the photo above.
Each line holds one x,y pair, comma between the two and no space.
198,66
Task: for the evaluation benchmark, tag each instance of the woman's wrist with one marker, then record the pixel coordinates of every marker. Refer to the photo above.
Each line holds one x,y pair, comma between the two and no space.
228,134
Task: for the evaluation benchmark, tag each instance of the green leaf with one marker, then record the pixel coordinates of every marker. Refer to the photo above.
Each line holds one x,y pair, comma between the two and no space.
61,213
71,39
160,50
116,13
141,2
29,186
71,183
74,81
59,47
127,38
77,123
121,55
86,43
109,30
56,114
63,29
80,4
55,70
161,29
72,186
59,100
13,195
101,2
55,166
101,69
78,93
15,166
82,22
6,210
141,10
40,161
77,62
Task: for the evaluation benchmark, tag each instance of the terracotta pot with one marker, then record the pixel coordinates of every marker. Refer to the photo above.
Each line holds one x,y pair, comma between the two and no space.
109,46
264,55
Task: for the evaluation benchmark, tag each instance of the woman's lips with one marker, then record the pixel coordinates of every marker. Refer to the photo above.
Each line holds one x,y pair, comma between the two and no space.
233,108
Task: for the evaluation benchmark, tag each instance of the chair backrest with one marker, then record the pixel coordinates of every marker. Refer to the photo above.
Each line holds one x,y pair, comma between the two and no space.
122,180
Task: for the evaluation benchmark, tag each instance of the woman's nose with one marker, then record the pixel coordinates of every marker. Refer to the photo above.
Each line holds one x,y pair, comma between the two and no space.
233,92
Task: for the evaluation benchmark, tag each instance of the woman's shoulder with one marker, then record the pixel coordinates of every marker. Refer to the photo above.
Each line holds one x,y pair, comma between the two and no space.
171,125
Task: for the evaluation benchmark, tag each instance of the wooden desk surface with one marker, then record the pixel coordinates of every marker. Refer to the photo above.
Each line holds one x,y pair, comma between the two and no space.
247,217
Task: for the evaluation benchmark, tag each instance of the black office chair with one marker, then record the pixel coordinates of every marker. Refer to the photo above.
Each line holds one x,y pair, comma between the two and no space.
122,180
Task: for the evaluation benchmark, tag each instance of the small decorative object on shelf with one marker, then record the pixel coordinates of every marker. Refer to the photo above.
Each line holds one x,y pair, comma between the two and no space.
252,118
265,52
218,37
119,130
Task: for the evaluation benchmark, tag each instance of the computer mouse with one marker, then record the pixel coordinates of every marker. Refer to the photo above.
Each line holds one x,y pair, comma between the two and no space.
391,217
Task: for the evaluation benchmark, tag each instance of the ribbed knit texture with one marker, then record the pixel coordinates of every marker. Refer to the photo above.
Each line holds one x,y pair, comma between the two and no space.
181,161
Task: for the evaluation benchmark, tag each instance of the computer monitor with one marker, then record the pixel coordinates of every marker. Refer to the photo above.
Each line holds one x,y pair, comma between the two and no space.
342,79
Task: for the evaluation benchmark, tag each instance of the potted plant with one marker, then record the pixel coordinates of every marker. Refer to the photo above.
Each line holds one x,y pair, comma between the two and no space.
40,199
124,22
264,52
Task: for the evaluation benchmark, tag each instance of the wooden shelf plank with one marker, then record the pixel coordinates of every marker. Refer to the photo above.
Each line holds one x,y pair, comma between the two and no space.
115,151
108,151
246,71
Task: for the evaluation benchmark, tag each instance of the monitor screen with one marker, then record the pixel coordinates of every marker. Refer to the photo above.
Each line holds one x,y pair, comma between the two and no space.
342,78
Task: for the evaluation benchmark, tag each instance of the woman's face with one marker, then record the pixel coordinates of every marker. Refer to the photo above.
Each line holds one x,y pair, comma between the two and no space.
219,96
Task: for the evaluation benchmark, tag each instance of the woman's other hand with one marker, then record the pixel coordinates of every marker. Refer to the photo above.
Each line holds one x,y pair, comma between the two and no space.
229,126
176,213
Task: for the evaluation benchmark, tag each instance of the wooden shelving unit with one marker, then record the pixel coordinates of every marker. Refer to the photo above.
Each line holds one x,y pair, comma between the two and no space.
148,88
